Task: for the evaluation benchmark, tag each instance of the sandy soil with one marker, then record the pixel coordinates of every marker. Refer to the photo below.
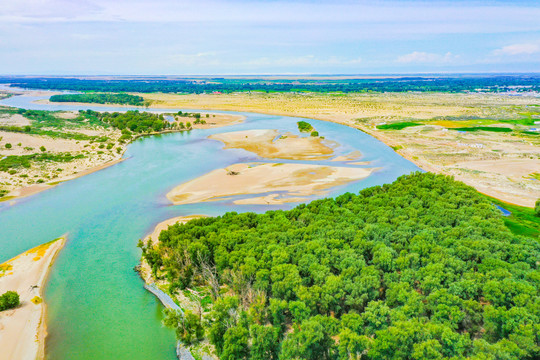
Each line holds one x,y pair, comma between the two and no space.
432,151
14,120
22,330
285,182
36,188
496,164
215,120
271,144
355,155
35,142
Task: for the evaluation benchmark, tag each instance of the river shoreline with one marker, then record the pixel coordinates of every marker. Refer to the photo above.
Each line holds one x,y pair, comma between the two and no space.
23,330
18,193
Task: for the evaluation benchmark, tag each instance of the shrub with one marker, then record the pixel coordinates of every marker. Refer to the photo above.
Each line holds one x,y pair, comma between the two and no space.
8,146
9,300
304,126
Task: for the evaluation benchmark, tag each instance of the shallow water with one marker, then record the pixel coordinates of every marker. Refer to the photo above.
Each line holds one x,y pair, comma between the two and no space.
97,306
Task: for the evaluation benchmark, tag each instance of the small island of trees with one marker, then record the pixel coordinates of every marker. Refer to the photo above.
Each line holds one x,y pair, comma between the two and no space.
101,98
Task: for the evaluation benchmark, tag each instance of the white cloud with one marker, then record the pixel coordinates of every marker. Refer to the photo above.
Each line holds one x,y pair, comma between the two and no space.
424,57
518,49
307,60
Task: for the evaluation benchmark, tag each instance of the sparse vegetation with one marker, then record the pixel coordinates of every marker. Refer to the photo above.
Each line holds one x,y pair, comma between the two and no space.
25,161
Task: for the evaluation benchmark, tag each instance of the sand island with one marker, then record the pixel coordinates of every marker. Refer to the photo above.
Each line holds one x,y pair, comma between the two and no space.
275,183
271,144
22,329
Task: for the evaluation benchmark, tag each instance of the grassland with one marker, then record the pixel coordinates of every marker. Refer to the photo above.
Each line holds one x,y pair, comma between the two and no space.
497,162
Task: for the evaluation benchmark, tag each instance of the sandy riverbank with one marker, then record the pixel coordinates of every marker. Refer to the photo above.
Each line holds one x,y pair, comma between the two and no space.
274,183
271,144
432,151
23,330
36,188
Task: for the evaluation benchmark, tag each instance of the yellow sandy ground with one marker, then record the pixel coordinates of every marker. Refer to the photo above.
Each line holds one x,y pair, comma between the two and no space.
22,330
432,151
267,144
293,182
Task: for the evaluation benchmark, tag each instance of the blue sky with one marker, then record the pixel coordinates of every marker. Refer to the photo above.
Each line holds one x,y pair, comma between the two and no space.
179,37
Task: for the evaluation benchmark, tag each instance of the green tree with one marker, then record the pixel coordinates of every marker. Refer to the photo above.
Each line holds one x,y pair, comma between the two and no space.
235,344
264,342
9,300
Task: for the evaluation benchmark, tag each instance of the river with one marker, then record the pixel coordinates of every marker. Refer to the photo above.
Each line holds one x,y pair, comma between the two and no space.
97,307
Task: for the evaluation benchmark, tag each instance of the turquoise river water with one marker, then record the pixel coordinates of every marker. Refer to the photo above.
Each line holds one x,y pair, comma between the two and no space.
97,307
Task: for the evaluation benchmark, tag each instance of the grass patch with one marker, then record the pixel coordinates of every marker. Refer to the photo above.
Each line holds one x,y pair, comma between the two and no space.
522,221
25,161
484,128
460,123
397,125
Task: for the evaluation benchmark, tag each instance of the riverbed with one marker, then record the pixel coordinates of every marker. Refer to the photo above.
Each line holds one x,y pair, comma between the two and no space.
97,307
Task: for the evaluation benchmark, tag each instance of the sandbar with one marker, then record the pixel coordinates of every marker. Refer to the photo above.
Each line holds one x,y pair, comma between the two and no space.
282,181
22,330
271,144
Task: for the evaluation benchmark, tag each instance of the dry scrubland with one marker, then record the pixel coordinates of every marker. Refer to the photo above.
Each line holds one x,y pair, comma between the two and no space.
503,165
87,154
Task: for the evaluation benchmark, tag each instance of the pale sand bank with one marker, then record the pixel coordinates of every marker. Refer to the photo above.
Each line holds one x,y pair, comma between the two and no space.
36,188
287,182
271,145
352,156
22,330
164,225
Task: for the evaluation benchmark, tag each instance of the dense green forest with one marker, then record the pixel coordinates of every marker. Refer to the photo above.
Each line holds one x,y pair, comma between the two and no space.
101,99
131,121
495,83
423,268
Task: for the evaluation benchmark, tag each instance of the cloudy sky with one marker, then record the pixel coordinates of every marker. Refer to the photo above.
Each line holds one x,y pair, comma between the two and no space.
161,37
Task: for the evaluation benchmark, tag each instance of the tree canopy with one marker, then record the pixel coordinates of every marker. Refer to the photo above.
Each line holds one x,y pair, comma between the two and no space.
100,98
423,268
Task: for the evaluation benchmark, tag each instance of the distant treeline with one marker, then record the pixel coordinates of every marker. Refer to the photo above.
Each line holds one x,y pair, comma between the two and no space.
125,99
390,84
